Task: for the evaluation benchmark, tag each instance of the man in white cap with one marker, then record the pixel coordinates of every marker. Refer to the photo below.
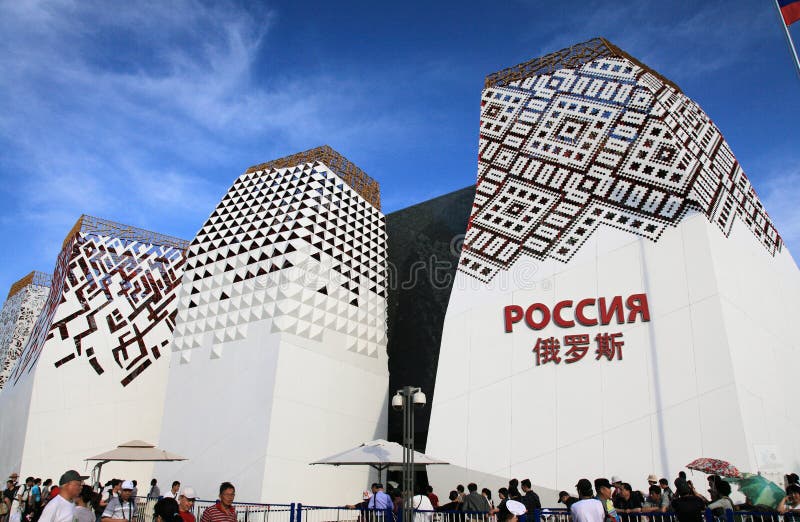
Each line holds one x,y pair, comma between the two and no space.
121,508
185,504
62,508
617,483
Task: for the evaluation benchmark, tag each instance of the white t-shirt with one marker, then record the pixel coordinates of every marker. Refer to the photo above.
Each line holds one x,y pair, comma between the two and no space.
587,510
422,503
58,509
22,493
15,503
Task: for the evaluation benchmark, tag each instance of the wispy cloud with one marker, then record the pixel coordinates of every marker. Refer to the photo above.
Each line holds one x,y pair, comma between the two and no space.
780,193
145,112
679,39
93,126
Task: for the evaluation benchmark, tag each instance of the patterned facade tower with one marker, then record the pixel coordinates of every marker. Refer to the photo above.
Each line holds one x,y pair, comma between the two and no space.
617,272
282,320
100,345
589,137
22,307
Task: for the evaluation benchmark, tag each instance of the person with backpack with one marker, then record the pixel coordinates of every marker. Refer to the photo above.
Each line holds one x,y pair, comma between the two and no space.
106,497
23,499
7,500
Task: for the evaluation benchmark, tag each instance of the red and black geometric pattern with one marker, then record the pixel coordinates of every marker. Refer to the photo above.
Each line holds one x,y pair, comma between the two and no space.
18,316
113,300
586,137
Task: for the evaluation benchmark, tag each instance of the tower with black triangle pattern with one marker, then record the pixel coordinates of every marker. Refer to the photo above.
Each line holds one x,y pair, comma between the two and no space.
282,308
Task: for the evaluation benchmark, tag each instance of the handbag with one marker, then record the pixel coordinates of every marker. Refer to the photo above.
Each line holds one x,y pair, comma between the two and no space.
3,509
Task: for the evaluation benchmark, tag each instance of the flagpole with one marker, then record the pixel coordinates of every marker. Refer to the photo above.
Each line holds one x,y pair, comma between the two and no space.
788,38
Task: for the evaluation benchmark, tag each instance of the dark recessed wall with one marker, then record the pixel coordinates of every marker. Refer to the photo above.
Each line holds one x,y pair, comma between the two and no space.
424,247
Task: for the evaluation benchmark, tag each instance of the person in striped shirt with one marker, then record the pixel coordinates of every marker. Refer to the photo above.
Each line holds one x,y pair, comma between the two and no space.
222,511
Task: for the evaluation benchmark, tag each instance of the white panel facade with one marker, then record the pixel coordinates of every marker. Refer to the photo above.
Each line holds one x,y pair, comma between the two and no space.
598,179
280,343
93,372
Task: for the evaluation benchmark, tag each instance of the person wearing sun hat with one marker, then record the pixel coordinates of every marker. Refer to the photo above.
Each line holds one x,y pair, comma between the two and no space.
185,502
62,507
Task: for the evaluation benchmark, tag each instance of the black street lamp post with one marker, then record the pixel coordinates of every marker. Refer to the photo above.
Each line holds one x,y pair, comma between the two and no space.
407,400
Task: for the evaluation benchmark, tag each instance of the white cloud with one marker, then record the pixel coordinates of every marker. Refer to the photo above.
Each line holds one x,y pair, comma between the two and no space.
146,112
682,40
781,193
90,122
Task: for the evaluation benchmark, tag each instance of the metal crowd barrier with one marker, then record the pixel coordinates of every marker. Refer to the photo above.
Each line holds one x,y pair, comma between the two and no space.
297,512
144,509
562,515
252,512
344,514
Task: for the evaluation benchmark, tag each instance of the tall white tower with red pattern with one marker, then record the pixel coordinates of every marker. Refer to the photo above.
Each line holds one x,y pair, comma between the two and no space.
624,303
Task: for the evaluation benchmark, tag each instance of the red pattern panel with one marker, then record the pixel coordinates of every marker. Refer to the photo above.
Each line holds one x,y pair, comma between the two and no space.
603,141
108,292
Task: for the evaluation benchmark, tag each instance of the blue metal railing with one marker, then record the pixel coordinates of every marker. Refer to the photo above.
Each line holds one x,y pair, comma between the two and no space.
298,512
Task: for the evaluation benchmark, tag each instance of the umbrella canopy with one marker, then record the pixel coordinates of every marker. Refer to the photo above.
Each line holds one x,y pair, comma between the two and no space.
137,451
760,491
376,453
715,467
379,454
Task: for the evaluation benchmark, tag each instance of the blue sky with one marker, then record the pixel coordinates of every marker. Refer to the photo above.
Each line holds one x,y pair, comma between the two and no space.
145,112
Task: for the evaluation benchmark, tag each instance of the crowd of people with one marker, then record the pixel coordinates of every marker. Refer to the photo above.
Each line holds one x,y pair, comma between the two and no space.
617,501
466,502
73,501
601,501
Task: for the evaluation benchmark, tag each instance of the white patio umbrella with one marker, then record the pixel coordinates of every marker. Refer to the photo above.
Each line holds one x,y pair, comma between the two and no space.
132,451
379,454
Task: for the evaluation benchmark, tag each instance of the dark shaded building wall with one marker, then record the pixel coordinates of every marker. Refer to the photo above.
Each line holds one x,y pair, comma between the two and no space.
424,247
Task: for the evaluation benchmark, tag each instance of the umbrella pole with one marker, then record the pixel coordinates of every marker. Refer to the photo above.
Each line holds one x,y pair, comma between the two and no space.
96,474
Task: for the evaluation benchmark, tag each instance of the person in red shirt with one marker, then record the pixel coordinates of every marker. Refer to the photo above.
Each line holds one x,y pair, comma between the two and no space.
222,511
185,504
433,498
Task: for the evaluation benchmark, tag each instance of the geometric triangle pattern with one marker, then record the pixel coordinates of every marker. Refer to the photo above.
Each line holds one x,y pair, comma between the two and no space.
589,136
112,303
20,311
294,244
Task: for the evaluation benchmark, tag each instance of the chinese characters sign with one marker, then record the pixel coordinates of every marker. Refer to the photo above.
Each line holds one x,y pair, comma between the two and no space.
586,312
606,345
